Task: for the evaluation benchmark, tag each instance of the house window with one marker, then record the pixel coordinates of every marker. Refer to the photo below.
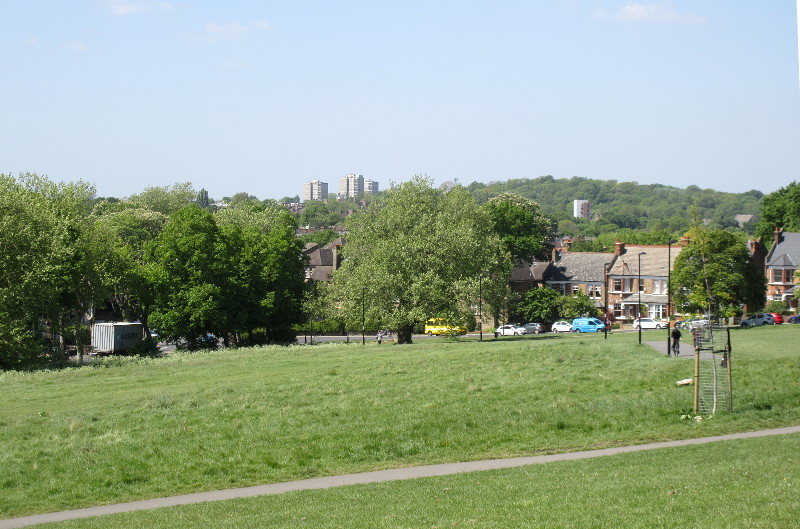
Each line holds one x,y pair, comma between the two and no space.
575,289
617,285
561,288
594,291
657,312
657,286
641,285
617,309
787,276
628,286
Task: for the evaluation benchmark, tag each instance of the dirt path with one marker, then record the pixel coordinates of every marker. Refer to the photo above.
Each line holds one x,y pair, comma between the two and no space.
369,477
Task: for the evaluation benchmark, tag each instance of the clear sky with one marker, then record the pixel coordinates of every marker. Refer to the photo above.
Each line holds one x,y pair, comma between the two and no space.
261,96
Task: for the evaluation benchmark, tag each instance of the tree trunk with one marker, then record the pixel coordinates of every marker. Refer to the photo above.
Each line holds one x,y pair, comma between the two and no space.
404,334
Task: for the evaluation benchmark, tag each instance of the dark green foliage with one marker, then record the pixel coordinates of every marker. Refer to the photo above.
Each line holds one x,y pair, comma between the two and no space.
145,347
321,237
317,214
525,232
780,209
618,205
540,305
714,275
577,306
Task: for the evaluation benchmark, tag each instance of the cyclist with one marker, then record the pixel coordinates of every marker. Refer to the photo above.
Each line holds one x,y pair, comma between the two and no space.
676,341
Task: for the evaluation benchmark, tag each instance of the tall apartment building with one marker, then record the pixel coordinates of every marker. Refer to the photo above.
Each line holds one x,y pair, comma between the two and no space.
315,190
580,209
353,184
370,187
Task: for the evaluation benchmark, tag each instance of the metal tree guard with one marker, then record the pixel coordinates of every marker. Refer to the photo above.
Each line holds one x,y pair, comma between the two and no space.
712,369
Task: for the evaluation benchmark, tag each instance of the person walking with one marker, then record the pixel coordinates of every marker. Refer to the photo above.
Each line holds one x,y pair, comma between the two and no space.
676,341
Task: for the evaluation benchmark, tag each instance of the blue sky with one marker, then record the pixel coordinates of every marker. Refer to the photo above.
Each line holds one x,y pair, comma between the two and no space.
261,96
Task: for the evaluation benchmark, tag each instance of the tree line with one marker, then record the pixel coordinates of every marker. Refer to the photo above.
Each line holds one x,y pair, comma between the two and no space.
156,257
169,259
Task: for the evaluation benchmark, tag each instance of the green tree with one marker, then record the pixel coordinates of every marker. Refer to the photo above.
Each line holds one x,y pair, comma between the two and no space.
202,199
188,277
266,273
416,253
51,266
713,274
577,306
780,209
540,305
167,199
316,214
525,231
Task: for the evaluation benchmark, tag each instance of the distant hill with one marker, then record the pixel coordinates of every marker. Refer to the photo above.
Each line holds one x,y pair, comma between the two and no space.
628,204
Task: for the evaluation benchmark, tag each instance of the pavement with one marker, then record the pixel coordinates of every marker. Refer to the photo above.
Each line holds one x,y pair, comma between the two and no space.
380,476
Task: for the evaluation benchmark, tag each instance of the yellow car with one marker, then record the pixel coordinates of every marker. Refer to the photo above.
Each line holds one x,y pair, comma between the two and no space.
436,326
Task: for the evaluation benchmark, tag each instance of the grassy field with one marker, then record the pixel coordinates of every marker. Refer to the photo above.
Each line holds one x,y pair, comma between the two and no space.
139,429
744,484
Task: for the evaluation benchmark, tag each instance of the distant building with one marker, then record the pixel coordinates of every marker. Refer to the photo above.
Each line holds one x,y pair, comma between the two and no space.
353,184
315,190
370,187
580,209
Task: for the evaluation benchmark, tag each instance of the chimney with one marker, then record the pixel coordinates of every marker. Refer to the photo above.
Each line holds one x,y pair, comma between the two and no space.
619,247
777,233
555,255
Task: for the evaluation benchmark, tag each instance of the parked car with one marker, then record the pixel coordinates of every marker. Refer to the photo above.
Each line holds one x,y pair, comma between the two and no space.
778,317
510,329
437,326
533,328
794,319
649,323
587,325
758,319
691,323
561,326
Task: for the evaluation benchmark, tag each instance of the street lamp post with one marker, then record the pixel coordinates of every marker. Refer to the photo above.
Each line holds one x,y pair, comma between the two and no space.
363,317
669,289
480,306
639,287
605,299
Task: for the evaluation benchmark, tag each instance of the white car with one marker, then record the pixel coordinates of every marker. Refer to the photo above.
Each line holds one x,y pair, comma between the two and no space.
561,326
510,329
648,323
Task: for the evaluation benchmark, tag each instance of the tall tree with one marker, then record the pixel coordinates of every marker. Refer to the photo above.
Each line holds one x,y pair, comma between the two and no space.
188,277
780,209
713,274
267,273
51,265
525,231
416,253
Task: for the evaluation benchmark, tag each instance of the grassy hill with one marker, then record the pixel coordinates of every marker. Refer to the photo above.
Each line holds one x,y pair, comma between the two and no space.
133,429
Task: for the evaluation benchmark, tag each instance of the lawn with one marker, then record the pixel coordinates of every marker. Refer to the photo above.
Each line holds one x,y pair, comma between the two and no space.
134,429
749,483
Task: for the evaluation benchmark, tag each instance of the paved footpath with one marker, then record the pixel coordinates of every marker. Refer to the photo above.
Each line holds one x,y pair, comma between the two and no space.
370,477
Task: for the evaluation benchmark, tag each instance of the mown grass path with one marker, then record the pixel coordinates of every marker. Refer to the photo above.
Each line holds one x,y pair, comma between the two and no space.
380,476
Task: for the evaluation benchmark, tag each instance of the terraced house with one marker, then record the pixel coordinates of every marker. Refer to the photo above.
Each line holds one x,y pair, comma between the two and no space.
640,272
781,268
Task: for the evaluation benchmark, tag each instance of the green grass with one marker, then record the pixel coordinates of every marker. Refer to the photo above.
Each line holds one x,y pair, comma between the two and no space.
150,428
744,484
